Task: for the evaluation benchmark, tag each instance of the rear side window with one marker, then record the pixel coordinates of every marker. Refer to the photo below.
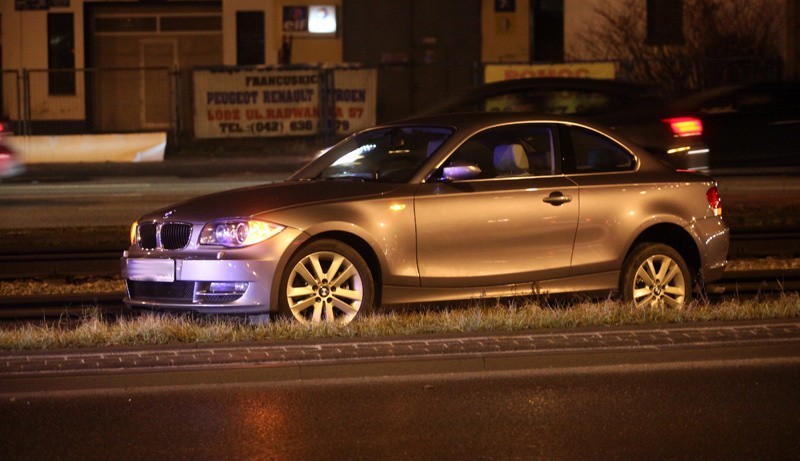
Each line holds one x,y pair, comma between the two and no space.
596,153
573,102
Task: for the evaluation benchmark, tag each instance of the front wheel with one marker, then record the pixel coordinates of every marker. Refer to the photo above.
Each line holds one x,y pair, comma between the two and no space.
655,276
327,281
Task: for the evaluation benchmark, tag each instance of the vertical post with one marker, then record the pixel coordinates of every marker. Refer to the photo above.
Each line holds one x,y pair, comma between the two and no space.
26,102
18,83
175,96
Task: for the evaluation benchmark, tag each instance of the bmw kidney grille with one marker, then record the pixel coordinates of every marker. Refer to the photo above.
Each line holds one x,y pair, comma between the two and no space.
168,236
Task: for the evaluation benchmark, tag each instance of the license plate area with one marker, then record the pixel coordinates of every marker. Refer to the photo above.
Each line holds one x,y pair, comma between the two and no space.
151,270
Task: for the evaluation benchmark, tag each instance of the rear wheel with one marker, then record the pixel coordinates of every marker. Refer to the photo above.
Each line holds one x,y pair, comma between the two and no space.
327,281
655,276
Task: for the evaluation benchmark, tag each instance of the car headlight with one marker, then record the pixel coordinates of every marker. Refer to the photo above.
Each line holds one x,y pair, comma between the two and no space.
134,232
236,233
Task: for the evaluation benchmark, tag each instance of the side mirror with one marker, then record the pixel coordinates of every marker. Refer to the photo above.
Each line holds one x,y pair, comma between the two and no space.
460,170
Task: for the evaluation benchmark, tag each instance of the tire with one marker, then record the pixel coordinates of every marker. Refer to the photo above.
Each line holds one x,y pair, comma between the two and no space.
326,281
655,275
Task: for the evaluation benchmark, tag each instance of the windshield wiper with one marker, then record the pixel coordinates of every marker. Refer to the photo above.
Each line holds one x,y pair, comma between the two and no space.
360,178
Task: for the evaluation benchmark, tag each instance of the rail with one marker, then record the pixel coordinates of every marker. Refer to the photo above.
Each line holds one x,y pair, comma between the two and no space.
106,263
66,306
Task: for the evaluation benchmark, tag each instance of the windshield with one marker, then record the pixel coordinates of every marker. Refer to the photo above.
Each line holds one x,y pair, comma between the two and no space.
386,154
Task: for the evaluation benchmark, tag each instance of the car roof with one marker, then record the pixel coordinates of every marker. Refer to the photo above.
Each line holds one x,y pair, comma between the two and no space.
699,98
478,120
565,83
626,90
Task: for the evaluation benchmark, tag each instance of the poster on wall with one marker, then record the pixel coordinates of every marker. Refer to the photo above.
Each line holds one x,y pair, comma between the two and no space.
232,102
313,20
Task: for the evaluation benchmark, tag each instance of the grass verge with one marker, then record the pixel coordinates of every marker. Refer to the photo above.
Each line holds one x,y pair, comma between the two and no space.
92,330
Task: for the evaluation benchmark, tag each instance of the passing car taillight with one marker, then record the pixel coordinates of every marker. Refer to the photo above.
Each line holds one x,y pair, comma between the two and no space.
685,126
714,200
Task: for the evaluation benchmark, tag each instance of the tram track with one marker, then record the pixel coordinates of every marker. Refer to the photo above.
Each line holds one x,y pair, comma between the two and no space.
89,262
38,307
106,264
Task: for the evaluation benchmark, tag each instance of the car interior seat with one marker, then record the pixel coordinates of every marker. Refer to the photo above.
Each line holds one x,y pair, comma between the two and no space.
510,159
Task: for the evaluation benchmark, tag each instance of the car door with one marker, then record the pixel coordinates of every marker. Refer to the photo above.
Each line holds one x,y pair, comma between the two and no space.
514,222
753,127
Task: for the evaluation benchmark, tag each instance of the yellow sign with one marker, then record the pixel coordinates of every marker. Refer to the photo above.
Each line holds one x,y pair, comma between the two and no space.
498,72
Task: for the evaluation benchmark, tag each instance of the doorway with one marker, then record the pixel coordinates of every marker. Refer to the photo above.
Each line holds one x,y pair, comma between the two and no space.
157,59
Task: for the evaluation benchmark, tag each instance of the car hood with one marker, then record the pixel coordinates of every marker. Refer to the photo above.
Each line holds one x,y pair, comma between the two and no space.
252,201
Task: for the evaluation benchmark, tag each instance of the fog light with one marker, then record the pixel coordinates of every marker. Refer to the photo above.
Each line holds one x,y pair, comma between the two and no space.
227,287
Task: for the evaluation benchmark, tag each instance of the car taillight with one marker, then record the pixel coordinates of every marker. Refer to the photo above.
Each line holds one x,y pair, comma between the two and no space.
685,126
714,200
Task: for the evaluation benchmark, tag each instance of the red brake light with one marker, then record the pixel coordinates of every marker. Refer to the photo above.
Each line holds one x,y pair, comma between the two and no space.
714,200
685,126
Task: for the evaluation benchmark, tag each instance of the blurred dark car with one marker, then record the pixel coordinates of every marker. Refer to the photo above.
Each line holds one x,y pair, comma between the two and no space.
9,159
750,126
638,112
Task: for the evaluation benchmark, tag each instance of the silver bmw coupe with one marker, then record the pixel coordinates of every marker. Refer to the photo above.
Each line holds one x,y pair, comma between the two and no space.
438,208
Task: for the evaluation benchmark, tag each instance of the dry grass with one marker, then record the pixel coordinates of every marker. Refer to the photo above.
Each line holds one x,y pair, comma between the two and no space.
73,285
92,330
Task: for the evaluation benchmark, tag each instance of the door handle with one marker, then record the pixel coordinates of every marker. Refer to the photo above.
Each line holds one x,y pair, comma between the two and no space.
557,199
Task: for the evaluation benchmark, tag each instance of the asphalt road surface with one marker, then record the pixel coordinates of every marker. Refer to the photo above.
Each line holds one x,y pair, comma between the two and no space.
718,402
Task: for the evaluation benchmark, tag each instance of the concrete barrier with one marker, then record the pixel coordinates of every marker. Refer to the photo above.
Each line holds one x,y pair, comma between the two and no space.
128,147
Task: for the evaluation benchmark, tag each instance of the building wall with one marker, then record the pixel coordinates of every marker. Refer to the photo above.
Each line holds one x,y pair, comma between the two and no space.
505,35
577,14
305,49
24,38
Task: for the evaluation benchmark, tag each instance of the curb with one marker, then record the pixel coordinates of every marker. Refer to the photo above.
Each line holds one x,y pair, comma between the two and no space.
360,358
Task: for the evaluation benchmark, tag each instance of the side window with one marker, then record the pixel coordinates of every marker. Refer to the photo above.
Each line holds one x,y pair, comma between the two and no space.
517,150
756,101
595,153
519,101
576,102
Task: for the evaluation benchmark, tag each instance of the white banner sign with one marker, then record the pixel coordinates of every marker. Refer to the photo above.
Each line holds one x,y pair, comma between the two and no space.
499,72
355,94
269,102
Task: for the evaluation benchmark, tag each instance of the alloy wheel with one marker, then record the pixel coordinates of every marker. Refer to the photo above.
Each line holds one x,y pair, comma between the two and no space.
659,282
324,286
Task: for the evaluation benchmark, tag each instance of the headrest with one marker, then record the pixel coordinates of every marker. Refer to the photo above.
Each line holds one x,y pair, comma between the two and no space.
510,158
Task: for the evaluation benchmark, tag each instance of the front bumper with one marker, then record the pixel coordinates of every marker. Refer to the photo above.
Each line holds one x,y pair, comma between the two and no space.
204,286
207,280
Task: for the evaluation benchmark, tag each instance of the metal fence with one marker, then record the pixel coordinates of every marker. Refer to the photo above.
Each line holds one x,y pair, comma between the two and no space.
88,101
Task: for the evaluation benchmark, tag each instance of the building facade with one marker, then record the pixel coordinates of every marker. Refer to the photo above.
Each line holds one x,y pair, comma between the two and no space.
101,66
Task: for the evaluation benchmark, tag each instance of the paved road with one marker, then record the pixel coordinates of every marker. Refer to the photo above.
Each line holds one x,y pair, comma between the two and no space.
116,195
721,391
